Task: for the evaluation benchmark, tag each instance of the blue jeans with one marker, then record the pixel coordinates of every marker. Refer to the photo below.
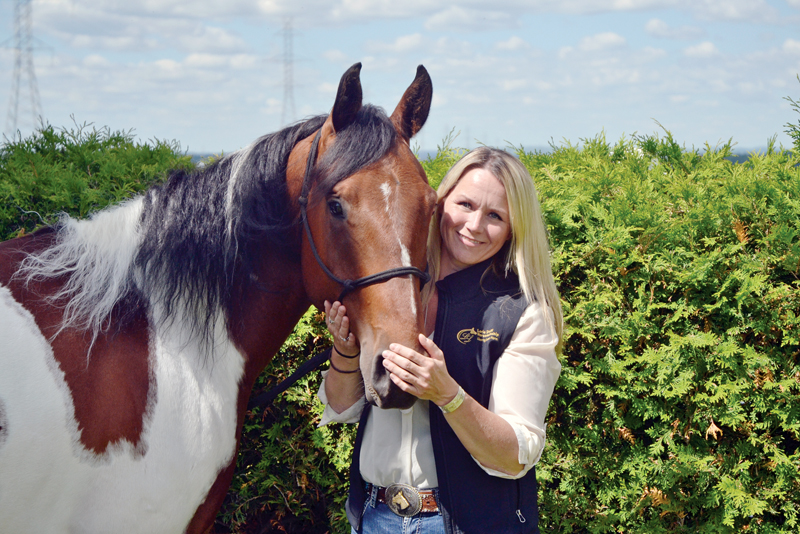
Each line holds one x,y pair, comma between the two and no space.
378,519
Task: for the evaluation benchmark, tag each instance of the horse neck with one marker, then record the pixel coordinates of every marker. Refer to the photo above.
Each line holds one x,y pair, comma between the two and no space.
273,301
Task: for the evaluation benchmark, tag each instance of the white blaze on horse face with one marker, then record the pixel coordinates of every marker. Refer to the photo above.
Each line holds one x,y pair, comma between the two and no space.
386,189
405,257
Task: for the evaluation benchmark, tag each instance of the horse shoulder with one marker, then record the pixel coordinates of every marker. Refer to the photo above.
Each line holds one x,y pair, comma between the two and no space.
109,385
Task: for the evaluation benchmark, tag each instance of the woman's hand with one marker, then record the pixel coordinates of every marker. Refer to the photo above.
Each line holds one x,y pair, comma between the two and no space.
343,384
488,437
423,375
344,341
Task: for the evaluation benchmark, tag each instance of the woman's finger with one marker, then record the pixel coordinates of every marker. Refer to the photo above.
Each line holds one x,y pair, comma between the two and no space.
406,352
431,348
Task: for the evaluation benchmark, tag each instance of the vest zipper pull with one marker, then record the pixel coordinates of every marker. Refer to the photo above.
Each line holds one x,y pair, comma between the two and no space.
521,517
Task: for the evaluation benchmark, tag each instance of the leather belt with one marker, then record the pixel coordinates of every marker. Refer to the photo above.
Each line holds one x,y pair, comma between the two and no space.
407,501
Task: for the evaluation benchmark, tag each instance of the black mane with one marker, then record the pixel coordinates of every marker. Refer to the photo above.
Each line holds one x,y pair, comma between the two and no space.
201,230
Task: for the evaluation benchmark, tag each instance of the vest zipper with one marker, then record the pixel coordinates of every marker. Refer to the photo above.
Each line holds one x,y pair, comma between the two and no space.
519,504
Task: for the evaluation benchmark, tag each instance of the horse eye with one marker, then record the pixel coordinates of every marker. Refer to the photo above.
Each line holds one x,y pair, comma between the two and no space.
335,207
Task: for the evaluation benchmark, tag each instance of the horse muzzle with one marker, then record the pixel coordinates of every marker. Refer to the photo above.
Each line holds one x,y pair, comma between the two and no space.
382,392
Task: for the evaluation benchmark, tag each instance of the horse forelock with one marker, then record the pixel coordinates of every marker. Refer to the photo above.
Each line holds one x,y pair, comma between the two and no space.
357,146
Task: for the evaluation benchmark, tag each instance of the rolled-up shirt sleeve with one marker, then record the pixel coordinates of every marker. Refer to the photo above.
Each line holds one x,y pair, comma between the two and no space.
523,382
329,415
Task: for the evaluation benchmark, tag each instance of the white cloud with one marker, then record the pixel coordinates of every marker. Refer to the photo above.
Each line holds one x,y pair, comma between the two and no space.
159,65
564,52
463,15
96,61
209,39
272,106
465,19
659,28
593,43
512,44
401,45
217,61
705,49
653,53
335,56
132,29
512,85
98,42
735,10
601,41
328,88
792,46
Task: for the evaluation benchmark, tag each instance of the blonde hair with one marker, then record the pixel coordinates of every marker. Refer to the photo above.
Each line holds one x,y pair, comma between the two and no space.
528,252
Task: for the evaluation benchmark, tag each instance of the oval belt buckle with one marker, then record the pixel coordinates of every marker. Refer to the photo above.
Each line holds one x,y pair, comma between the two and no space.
403,500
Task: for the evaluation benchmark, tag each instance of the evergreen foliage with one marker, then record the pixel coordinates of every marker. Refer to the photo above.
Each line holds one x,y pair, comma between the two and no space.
793,130
678,407
75,171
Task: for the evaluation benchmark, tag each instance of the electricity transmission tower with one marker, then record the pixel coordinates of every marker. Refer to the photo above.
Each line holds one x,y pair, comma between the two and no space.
23,68
288,112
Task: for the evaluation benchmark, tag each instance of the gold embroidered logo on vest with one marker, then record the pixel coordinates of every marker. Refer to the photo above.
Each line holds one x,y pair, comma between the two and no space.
468,334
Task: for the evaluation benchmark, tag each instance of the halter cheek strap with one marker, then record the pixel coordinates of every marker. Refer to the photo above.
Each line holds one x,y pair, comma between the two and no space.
348,286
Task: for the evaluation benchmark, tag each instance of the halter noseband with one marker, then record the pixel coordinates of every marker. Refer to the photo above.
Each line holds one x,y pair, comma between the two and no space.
348,286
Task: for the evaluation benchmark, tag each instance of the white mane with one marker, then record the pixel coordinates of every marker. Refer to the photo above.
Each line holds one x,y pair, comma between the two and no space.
96,257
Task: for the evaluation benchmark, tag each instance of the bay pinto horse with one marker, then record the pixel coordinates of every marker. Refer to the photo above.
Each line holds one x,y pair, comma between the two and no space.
130,342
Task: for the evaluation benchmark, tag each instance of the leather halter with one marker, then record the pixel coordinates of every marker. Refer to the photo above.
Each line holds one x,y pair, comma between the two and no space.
348,286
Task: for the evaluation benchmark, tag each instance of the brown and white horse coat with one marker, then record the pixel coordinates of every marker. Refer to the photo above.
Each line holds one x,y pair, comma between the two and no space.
130,342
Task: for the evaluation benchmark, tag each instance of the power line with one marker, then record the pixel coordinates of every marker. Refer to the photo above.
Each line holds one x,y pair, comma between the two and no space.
23,68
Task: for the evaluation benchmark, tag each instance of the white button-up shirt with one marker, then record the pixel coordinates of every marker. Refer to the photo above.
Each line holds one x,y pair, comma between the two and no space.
397,446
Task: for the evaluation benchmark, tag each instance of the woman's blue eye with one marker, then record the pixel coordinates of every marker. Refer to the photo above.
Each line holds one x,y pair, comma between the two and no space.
336,209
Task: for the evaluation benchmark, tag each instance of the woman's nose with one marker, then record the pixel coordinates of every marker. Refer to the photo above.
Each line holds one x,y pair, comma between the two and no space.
475,221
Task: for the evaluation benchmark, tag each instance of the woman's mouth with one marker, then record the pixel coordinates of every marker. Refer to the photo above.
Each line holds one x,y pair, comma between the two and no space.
468,240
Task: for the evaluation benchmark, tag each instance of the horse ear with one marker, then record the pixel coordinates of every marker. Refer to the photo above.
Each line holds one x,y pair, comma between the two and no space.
411,113
348,98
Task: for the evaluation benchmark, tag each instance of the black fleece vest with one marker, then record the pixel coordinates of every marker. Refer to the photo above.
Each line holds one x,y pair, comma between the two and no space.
477,314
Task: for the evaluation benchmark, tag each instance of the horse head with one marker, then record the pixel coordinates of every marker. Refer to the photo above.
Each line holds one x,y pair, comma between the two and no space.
367,204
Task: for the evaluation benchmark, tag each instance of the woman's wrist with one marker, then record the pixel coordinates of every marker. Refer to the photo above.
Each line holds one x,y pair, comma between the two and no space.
455,402
347,363
343,355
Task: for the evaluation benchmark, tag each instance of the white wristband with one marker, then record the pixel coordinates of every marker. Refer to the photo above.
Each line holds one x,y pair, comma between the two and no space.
456,402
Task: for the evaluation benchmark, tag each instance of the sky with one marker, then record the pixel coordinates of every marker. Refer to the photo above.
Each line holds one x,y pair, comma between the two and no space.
211,74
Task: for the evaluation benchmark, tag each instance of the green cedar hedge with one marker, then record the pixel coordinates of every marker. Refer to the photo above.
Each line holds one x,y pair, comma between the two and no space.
677,409
75,171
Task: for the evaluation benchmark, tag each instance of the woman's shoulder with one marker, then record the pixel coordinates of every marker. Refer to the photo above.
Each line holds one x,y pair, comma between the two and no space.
536,324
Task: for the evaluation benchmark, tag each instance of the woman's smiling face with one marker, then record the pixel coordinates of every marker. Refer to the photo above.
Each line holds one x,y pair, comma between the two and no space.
475,221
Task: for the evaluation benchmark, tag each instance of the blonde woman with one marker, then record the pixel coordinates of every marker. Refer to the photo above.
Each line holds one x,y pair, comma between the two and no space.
462,458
